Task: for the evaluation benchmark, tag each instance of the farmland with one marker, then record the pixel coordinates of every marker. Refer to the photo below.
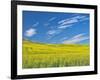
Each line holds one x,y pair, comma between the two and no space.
39,55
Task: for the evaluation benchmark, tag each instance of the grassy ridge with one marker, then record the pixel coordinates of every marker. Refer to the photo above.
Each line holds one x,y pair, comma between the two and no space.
37,55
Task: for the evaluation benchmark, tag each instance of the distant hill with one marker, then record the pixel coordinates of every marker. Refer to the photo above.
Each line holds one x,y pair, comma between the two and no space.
53,45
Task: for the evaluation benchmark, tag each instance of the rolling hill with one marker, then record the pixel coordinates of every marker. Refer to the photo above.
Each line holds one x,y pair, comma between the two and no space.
40,55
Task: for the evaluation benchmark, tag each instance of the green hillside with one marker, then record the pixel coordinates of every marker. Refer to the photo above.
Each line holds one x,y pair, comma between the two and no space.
39,55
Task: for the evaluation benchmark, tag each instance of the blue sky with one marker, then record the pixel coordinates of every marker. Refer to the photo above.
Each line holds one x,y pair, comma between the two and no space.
56,27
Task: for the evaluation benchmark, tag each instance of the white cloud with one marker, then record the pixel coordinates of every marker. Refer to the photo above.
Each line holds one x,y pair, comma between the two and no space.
48,22
84,19
51,19
79,35
61,21
50,32
64,26
76,39
53,32
78,17
37,23
72,20
30,32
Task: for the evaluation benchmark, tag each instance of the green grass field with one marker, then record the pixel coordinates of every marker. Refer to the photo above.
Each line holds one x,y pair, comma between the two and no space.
38,55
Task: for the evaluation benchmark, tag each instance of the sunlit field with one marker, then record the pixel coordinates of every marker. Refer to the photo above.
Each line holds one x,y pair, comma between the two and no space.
38,55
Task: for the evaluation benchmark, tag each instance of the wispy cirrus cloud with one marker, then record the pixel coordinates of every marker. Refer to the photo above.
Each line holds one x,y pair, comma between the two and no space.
30,32
79,35
64,26
76,39
73,20
84,19
49,20
52,33
67,23
55,30
35,24
52,18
